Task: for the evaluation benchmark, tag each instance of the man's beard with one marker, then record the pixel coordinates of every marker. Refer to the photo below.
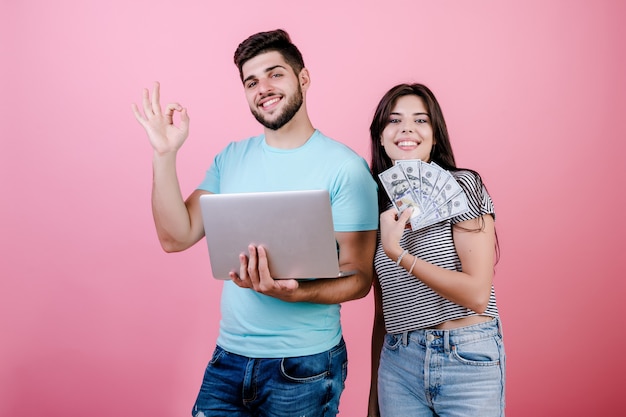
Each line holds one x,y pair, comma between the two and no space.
290,110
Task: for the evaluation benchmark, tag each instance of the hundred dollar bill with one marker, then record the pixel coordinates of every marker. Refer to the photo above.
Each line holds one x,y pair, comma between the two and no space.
429,175
447,198
411,168
444,188
452,206
399,190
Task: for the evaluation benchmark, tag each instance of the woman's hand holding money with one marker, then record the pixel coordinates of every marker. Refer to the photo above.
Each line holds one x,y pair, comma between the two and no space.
392,227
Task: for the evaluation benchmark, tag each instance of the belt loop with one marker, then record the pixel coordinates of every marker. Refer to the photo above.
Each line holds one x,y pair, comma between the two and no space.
405,338
446,341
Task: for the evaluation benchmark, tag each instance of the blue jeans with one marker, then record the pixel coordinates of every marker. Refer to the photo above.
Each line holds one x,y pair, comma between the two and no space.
459,372
237,386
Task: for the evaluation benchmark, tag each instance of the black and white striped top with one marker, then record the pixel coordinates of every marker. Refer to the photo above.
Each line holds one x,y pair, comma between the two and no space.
408,304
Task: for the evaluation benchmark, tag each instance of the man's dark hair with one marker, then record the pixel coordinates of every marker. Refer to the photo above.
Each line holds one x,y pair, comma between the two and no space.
262,42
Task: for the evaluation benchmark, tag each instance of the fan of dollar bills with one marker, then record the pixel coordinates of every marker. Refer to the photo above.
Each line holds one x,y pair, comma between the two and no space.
433,192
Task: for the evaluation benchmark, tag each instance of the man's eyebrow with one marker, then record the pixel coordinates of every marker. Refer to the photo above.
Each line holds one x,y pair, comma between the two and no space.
268,69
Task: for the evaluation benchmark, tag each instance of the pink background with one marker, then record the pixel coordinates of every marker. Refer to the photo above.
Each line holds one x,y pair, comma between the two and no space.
96,320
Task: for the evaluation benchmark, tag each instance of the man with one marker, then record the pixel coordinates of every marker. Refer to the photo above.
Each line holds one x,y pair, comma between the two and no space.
280,350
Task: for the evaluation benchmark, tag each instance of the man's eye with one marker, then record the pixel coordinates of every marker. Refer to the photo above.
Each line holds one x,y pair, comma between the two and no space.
251,84
277,75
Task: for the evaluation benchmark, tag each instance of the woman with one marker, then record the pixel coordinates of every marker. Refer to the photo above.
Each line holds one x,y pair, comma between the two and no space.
437,343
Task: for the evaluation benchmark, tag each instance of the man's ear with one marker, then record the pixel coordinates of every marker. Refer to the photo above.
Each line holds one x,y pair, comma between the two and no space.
304,78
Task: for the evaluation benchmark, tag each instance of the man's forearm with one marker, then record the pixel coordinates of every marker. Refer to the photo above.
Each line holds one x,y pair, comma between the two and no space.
335,290
170,213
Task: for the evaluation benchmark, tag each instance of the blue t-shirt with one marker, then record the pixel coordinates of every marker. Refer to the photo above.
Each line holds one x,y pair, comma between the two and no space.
256,325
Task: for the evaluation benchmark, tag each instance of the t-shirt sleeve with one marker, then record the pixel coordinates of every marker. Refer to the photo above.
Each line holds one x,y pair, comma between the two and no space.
354,197
479,200
211,182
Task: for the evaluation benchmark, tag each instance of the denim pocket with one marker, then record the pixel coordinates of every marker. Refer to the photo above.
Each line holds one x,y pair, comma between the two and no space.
217,355
306,368
339,355
392,342
484,352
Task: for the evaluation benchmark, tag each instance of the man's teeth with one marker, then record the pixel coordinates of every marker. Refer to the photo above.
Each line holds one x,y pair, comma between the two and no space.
270,102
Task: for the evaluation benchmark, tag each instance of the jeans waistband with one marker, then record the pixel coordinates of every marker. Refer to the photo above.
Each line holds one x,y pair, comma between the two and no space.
447,338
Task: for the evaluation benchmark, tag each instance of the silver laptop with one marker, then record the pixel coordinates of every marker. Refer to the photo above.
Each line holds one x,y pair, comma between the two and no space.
295,227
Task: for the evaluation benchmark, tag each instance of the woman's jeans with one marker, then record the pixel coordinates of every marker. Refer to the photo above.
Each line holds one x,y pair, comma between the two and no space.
444,373
237,386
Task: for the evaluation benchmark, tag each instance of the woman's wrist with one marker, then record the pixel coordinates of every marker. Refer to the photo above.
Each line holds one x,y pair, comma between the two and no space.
394,253
401,256
412,265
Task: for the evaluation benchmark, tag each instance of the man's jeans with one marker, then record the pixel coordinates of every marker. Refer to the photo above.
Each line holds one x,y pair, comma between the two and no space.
445,373
304,386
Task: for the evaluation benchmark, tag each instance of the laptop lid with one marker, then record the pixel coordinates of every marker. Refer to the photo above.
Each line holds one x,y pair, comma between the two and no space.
295,227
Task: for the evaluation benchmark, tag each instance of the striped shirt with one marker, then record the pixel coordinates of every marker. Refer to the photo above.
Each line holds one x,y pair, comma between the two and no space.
408,304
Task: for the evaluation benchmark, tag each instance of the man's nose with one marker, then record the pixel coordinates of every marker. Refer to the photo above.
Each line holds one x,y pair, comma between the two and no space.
265,85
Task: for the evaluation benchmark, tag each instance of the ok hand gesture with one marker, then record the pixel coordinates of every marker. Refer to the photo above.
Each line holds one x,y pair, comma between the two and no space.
164,136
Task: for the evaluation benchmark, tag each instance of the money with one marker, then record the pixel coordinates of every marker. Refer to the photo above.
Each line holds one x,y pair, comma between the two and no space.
433,192
411,168
399,190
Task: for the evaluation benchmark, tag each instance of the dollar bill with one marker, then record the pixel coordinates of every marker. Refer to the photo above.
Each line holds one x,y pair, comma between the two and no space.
399,190
432,191
429,175
444,188
411,168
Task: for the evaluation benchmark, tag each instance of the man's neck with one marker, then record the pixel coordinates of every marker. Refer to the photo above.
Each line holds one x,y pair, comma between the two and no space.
292,135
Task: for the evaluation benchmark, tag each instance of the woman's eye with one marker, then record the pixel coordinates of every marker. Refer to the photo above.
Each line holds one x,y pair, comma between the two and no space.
419,121
394,121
